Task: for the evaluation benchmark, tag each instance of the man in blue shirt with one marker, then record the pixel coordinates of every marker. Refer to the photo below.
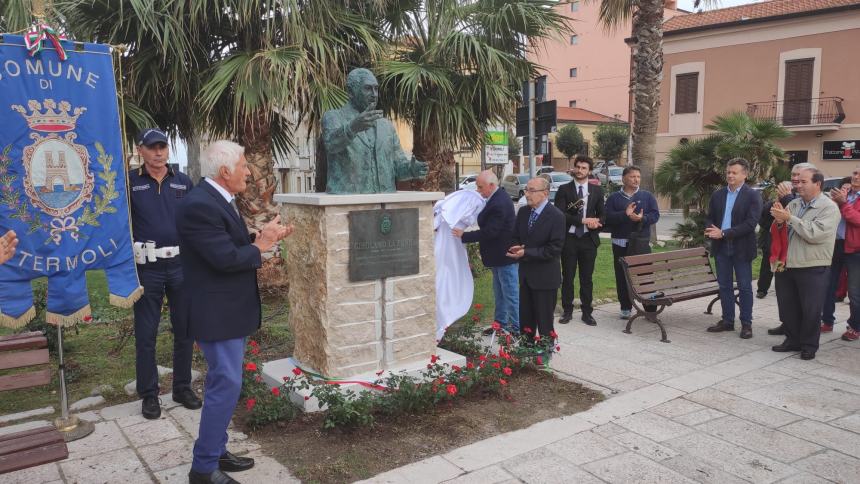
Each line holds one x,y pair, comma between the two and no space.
155,190
733,214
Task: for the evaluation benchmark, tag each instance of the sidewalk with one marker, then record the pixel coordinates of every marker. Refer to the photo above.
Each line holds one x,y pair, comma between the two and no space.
703,408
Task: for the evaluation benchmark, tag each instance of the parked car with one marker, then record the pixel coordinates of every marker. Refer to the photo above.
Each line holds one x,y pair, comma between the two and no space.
556,178
830,183
467,182
612,173
545,169
522,201
515,185
600,166
593,180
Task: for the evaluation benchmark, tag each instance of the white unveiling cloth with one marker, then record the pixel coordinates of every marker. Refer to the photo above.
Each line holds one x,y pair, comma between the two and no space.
454,285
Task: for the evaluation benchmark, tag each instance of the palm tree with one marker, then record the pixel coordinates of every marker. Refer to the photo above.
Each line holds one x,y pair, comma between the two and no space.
242,69
754,139
454,66
647,39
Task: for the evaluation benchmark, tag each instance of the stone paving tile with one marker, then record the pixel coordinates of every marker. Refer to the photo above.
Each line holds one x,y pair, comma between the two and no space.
608,430
832,465
772,443
632,467
105,438
747,409
796,368
585,447
696,380
174,475
544,467
587,372
851,377
807,399
749,382
633,370
676,408
699,417
834,384
804,478
701,471
644,446
488,475
188,420
165,455
674,366
34,475
850,422
122,410
152,432
110,467
653,426
629,403
135,419
837,356
629,385
731,458
428,471
265,470
826,435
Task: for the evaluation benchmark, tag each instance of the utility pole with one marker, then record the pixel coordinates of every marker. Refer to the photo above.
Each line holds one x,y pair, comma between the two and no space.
532,168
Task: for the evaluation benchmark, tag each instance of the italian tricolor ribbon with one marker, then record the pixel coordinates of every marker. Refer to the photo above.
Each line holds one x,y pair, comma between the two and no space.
35,38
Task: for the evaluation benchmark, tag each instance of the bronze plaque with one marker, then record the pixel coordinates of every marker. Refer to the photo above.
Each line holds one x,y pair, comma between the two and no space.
383,243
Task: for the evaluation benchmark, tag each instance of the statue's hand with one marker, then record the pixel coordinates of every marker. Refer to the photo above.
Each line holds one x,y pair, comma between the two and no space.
419,168
365,121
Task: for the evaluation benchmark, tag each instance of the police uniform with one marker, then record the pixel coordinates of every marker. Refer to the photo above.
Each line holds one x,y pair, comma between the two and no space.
153,205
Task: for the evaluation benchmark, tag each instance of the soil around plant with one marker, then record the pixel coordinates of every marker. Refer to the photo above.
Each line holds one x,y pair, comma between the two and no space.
315,455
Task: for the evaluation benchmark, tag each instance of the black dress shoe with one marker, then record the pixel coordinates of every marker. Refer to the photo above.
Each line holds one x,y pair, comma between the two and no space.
746,332
721,326
150,408
215,477
785,348
565,318
231,463
779,330
187,398
807,355
761,294
587,319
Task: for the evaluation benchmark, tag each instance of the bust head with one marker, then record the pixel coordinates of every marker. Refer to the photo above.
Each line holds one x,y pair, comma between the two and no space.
363,89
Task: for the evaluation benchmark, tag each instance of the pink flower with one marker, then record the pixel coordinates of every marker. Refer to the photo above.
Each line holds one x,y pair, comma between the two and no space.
496,326
539,360
507,371
276,392
553,334
249,405
434,358
297,371
451,389
250,366
503,382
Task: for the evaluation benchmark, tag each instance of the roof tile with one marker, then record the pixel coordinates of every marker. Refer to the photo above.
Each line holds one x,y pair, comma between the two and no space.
772,8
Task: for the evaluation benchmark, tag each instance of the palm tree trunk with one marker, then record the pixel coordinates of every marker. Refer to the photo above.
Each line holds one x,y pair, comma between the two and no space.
428,148
647,73
256,203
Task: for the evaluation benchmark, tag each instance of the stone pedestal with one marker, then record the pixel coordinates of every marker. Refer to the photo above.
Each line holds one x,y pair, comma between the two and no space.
344,328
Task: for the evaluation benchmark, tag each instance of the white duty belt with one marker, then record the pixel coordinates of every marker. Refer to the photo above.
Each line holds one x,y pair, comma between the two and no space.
147,252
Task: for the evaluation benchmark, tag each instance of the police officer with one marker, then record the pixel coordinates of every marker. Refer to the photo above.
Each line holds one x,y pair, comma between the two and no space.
156,190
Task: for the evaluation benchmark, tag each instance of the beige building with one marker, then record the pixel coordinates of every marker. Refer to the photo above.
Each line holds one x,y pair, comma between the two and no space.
793,61
587,122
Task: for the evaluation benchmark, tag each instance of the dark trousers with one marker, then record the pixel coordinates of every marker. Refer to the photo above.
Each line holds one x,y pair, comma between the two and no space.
159,278
765,275
853,263
828,313
536,309
621,280
799,298
578,252
732,269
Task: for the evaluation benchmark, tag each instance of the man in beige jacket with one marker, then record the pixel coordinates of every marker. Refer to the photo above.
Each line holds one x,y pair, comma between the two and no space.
811,220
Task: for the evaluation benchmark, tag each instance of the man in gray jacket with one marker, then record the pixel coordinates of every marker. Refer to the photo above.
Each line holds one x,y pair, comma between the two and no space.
810,221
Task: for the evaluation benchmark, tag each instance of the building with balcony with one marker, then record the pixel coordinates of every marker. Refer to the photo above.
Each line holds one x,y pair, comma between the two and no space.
792,61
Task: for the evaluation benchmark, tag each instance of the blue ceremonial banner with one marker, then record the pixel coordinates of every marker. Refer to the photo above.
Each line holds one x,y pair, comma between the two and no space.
62,180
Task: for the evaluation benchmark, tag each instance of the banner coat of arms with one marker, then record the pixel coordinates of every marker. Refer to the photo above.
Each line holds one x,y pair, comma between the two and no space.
62,180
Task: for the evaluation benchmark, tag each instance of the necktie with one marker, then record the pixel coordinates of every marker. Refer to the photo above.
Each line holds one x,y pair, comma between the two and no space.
532,218
580,230
235,208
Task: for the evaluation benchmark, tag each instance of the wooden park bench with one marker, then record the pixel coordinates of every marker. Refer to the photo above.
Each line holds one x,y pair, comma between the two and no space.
36,446
656,281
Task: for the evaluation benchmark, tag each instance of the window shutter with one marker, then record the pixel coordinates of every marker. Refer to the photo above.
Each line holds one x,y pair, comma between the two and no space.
686,93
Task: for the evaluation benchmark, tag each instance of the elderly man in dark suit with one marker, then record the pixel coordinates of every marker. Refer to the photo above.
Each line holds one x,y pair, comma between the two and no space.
220,261
496,227
733,214
582,205
537,242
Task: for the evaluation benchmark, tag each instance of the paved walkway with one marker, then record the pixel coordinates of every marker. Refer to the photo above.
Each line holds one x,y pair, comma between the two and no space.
703,408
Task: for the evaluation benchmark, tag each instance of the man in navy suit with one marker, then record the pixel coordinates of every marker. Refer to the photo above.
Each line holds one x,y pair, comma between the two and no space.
219,262
733,214
496,227
537,243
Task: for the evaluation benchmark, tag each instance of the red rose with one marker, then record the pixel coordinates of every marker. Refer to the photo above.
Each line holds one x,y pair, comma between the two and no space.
497,365
286,379
527,330
250,404
455,368
537,337
507,371
557,348
307,398
451,389
476,318
503,382
479,306
508,339
470,366
553,334
297,371
539,360
496,326
276,392
250,366
255,351
482,358
258,378
253,343
434,358
429,366
88,318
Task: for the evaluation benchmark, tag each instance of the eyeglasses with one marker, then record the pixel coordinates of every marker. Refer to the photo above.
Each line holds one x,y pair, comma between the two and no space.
536,190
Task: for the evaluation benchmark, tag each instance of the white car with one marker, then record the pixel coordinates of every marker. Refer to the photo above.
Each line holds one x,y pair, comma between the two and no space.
468,182
615,174
556,179
522,201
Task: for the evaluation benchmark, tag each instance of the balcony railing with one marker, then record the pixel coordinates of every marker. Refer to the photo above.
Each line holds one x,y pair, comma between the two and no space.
803,112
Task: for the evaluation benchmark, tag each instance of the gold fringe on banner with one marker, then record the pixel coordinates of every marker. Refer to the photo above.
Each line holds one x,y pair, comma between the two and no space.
128,301
15,323
70,320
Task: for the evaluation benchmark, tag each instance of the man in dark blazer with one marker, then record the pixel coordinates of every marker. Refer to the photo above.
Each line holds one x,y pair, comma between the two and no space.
496,227
537,242
219,262
733,214
582,205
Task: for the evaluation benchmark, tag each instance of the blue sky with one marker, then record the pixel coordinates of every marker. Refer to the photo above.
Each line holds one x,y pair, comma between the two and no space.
688,4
